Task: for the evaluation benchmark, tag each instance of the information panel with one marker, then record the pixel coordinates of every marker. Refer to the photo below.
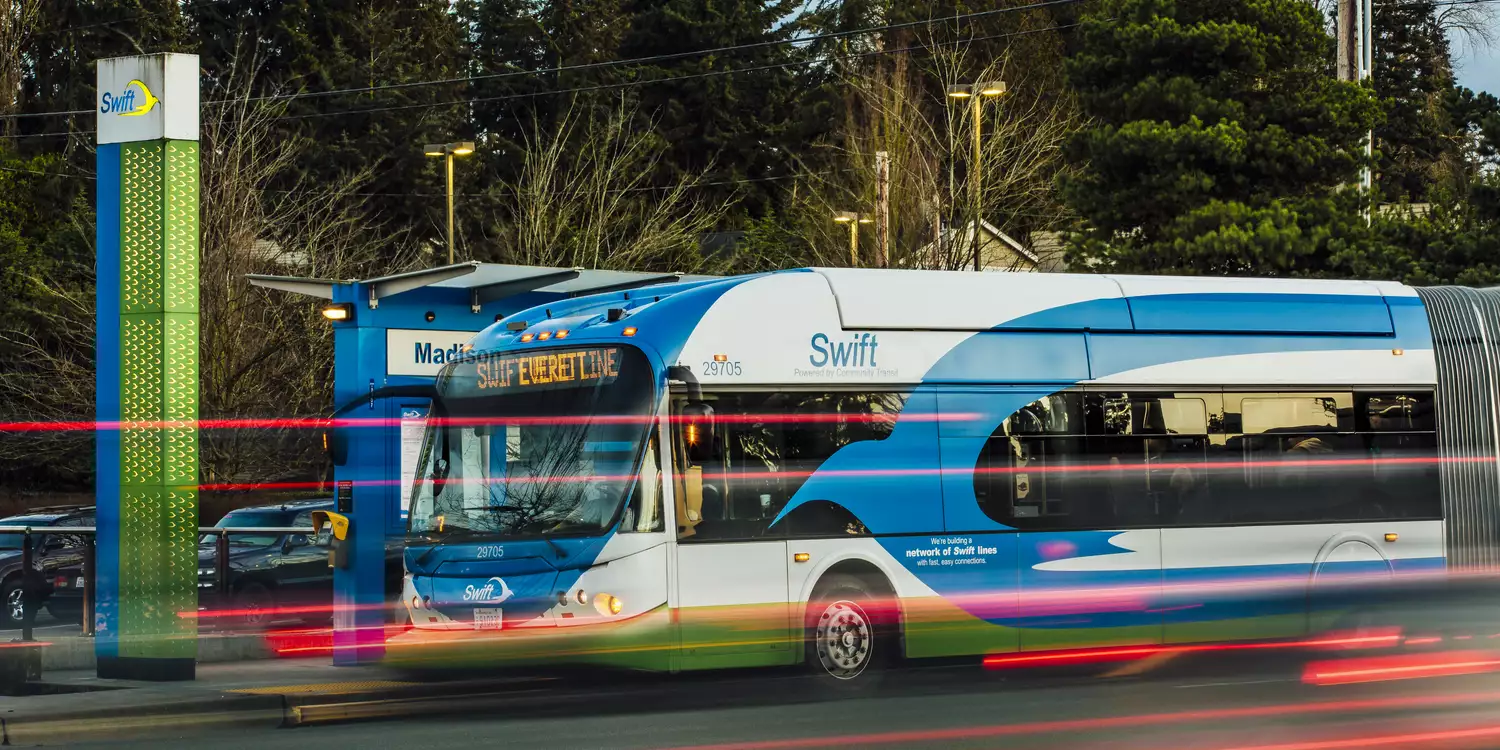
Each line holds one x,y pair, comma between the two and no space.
413,424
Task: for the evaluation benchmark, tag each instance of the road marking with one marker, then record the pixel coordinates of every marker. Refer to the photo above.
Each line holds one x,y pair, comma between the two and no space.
1228,684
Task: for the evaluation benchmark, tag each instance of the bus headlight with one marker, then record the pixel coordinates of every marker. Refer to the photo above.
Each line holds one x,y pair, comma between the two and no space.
608,605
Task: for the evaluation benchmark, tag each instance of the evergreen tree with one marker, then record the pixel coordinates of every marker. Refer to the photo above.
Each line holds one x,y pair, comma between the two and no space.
311,47
738,124
1220,138
1413,76
506,43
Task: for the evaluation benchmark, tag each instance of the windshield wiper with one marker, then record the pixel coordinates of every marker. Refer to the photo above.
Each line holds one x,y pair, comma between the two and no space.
462,536
452,537
555,546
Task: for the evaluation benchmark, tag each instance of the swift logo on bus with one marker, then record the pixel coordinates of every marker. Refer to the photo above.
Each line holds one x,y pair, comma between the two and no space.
859,351
493,590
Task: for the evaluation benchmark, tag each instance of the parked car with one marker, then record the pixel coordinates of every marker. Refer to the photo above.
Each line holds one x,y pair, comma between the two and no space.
274,576
57,555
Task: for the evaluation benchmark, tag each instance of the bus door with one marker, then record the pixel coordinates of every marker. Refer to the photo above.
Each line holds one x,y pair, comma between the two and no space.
1088,497
732,601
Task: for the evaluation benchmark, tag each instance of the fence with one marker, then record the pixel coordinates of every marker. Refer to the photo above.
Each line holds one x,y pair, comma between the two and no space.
30,570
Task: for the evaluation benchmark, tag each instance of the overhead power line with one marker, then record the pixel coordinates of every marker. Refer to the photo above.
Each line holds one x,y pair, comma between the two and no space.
614,63
608,86
663,79
663,57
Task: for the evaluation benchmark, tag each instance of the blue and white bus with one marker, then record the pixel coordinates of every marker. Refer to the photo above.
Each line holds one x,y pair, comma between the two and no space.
840,467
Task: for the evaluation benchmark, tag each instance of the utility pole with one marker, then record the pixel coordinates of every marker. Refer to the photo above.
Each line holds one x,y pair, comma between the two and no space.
882,209
1348,41
1356,62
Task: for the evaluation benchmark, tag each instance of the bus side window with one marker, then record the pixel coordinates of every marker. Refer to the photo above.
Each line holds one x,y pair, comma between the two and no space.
770,443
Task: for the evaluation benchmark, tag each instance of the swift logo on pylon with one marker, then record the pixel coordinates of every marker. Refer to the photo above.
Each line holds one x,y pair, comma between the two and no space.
126,104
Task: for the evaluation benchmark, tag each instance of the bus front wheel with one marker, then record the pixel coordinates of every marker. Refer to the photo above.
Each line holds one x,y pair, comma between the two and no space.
850,633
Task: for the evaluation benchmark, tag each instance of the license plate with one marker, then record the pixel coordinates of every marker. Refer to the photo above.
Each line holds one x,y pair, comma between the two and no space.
487,619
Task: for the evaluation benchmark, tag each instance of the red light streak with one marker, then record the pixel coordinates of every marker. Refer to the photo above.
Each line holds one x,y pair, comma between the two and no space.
1118,653
25,644
885,473
1404,702
1400,667
323,423
1399,740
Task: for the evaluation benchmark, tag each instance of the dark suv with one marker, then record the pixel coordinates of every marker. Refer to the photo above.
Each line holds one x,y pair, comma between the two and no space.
57,555
274,576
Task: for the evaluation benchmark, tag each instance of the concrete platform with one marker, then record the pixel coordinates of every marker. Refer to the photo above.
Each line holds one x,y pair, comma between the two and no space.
76,652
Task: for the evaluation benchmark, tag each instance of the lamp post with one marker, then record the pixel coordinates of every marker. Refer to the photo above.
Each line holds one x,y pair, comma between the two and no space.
448,151
976,93
853,219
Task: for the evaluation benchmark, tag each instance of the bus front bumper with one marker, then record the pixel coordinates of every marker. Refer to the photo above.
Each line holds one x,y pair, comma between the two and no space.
641,642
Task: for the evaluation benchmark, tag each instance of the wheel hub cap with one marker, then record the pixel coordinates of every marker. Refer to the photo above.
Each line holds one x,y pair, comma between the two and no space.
844,639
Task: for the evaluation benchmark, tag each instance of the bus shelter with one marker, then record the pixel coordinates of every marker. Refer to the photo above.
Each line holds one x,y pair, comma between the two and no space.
392,334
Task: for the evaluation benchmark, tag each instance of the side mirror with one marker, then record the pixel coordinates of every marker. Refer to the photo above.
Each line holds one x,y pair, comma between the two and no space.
339,542
698,431
294,541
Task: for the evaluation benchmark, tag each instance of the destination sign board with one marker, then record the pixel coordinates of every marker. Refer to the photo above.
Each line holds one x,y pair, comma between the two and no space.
546,370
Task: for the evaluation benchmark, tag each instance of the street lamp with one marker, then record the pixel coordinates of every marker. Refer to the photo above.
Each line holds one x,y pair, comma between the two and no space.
977,93
853,219
448,151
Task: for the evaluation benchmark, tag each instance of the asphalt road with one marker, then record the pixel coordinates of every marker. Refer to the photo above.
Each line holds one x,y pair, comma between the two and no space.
1218,704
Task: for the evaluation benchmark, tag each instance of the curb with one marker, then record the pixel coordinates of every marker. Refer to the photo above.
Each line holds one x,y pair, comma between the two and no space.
209,711
265,708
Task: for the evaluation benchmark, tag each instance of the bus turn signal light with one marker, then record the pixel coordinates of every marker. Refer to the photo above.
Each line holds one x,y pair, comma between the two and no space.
1392,537
629,331
801,557
608,605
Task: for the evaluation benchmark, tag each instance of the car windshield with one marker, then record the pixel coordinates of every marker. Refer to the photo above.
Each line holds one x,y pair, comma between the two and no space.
250,519
10,540
532,444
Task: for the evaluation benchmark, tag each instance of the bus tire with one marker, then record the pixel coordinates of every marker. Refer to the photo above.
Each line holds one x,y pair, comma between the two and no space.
850,633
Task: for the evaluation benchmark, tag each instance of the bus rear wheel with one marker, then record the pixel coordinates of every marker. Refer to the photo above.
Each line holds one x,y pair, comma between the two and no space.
850,633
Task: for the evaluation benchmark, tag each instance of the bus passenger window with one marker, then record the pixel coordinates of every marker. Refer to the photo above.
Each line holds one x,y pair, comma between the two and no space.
769,443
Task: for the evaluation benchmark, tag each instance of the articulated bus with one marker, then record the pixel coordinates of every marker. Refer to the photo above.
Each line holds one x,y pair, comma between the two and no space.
839,468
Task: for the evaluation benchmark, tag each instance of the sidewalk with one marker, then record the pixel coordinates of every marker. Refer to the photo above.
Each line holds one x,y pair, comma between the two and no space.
65,647
77,705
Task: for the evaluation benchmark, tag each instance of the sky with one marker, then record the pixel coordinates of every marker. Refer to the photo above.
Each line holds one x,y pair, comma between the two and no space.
1478,68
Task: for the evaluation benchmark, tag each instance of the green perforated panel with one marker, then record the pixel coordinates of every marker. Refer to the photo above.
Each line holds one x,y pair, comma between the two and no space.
181,209
159,336
141,197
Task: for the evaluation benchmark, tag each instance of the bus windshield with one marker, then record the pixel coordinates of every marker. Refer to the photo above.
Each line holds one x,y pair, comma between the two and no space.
533,444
